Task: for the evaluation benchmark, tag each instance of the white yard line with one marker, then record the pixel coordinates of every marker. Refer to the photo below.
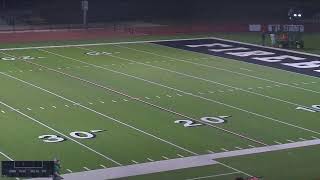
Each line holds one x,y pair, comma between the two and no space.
203,79
148,103
99,44
58,132
179,163
222,69
101,114
211,176
184,92
6,156
86,168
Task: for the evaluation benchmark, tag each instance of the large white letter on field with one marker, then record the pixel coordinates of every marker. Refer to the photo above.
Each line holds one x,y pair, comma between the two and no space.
210,45
304,65
278,58
251,53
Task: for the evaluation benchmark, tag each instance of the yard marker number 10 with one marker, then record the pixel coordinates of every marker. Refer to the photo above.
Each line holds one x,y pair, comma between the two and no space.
313,108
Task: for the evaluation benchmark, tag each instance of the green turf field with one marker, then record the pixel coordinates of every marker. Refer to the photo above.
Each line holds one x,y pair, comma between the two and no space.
136,92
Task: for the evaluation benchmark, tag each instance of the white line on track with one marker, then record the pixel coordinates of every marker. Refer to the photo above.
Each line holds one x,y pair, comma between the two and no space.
188,93
58,132
212,176
226,70
101,114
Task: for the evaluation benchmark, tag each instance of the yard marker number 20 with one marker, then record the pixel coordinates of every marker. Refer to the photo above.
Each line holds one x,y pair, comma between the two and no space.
211,120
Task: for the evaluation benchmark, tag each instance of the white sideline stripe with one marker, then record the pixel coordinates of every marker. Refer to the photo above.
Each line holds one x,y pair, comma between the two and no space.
200,97
178,163
211,176
226,70
101,114
100,44
58,132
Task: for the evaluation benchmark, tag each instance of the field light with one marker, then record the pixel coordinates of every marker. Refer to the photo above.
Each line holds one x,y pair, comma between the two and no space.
295,15
299,15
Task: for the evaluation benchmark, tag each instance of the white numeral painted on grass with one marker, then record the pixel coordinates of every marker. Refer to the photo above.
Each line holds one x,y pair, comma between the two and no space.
76,134
211,120
22,57
51,138
188,123
313,108
95,53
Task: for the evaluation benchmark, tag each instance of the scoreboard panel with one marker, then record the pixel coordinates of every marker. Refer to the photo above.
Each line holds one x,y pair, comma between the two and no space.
27,168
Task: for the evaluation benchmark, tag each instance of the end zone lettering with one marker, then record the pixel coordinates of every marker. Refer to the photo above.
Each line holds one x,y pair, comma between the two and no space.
276,58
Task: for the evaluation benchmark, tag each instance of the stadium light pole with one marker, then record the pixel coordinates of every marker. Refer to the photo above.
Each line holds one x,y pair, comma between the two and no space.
85,7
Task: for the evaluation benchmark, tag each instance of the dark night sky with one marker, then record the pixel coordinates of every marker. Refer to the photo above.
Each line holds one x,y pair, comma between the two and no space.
188,9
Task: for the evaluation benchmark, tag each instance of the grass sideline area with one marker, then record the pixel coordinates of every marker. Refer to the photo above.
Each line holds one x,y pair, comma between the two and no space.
78,90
